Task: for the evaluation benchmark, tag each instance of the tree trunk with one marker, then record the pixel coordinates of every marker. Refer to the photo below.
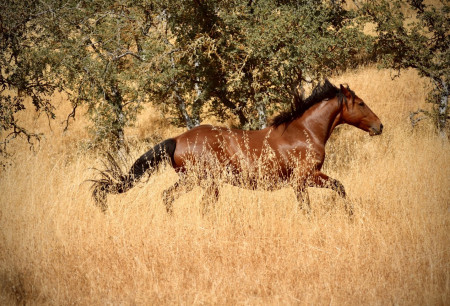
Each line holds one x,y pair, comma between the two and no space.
181,105
234,109
118,124
198,102
262,117
443,109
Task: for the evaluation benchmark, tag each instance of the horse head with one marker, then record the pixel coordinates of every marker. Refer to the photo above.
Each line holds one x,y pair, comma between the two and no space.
357,113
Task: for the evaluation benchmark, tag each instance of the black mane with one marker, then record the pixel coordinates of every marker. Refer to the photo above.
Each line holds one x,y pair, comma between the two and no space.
319,93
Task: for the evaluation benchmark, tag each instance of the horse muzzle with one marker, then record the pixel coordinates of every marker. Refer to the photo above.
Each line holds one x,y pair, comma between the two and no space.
376,130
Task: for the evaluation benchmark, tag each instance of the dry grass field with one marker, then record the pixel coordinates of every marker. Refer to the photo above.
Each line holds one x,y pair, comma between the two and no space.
251,247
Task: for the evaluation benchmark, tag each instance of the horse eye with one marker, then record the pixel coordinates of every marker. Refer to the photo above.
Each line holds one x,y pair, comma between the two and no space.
361,103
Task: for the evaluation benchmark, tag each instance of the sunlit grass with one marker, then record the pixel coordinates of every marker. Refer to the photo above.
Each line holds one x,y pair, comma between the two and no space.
250,247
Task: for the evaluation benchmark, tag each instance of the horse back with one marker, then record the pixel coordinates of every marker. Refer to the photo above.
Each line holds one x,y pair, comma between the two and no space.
225,144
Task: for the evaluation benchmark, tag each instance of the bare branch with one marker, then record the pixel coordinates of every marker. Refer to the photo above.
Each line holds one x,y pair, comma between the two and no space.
128,53
414,120
19,131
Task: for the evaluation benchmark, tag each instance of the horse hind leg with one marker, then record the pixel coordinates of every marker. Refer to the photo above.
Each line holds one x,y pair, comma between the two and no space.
211,190
173,192
348,207
170,195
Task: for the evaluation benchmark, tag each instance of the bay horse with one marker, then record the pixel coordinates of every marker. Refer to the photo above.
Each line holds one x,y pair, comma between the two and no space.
296,135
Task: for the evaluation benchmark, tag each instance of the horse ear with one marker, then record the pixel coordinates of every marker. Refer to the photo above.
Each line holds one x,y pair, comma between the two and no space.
345,91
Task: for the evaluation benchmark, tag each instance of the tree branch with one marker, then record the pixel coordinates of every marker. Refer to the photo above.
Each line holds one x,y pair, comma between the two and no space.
414,121
128,53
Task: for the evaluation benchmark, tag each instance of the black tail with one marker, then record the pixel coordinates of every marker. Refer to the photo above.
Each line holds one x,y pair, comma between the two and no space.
114,180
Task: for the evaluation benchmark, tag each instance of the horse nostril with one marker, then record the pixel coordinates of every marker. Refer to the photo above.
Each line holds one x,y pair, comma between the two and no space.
381,127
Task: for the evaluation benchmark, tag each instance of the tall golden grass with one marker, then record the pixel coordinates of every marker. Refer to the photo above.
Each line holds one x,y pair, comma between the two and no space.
251,247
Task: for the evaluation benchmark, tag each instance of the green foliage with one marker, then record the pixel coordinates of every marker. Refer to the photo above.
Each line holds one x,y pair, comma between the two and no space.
228,59
101,54
245,60
234,60
25,56
422,43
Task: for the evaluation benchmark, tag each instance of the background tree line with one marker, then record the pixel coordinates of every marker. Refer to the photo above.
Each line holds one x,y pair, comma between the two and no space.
239,60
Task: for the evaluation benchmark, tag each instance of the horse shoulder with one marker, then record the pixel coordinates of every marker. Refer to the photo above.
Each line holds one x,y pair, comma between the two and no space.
291,146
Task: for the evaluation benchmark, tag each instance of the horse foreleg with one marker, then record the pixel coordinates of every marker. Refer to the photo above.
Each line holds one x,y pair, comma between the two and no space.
319,179
303,199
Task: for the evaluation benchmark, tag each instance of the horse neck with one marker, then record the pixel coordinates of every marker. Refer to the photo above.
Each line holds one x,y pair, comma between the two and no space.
320,120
